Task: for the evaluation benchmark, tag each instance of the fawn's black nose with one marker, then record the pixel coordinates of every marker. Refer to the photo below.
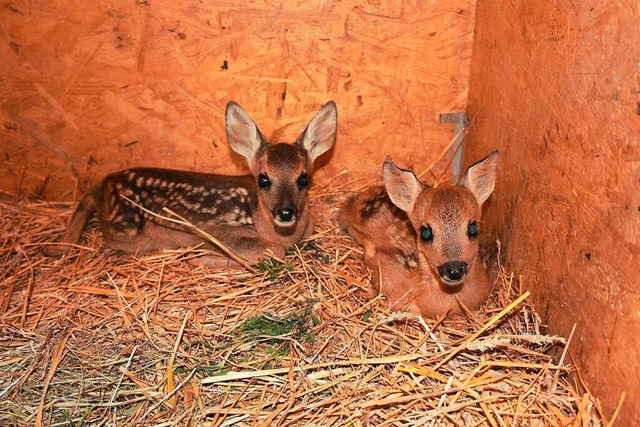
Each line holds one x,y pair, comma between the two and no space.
453,272
285,214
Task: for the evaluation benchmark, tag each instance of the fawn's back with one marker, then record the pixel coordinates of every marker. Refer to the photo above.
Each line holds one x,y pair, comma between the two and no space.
250,214
421,243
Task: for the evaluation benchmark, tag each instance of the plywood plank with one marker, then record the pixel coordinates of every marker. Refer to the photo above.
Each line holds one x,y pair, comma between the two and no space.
94,87
555,87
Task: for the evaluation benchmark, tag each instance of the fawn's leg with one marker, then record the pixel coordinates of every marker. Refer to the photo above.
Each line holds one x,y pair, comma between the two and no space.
86,208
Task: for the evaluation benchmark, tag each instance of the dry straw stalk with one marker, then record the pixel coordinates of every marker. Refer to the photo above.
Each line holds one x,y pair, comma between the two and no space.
100,338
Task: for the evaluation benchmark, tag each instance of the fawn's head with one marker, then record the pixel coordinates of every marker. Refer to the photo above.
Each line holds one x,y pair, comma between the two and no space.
282,171
446,218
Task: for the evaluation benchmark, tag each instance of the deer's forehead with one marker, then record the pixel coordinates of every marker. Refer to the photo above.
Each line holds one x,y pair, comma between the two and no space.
450,204
283,157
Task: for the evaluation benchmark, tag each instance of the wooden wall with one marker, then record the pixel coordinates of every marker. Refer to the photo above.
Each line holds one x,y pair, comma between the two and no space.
556,87
89,87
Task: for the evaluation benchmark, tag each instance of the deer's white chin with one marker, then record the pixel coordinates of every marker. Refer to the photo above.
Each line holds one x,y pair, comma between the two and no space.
285,224
449,282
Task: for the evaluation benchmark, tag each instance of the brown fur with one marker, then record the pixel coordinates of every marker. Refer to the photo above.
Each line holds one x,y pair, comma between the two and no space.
247,218
386,221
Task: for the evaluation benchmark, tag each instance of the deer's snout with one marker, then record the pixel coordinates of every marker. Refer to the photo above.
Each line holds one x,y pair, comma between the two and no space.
453,273
285,216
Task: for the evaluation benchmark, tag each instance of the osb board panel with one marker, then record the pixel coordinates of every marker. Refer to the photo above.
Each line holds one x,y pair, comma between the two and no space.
555,87
92,87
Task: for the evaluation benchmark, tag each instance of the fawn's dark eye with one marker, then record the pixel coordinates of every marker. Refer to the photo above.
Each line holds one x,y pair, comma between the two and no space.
303,180
426,233
264,181
472,230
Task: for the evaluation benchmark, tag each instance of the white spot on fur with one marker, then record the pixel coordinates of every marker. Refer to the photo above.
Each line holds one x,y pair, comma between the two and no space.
245,220
113,214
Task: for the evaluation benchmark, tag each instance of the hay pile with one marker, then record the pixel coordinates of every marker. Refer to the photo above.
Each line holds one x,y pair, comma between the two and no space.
103,339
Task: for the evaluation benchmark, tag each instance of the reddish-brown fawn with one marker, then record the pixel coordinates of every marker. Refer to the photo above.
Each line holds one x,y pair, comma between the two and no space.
250,214
421,243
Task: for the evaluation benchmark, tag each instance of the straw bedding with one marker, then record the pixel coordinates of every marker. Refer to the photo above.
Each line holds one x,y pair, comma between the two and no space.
99,338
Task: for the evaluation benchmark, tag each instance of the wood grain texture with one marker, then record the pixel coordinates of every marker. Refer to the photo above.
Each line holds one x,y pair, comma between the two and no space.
555,87
92,87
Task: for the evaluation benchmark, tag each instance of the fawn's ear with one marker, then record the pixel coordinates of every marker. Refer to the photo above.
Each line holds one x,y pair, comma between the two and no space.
242,133
320,133
480,177
402,186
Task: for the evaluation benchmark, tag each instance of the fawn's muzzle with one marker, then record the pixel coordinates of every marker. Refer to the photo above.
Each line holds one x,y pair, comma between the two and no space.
453,273
284,216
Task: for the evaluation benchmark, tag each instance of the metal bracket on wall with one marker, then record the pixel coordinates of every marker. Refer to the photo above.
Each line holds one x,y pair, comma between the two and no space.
461,121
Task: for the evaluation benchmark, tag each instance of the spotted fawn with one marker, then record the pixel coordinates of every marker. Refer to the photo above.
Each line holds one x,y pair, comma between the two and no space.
421,243
267,210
